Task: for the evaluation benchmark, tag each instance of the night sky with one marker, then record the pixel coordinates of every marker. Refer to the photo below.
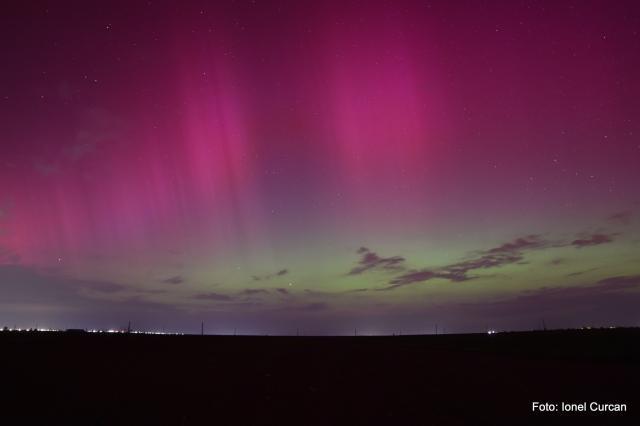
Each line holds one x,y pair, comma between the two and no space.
272,165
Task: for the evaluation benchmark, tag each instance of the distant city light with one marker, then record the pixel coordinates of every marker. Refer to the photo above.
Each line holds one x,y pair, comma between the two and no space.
113,331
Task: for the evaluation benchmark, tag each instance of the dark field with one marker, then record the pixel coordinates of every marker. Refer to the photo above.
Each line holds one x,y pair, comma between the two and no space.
91,379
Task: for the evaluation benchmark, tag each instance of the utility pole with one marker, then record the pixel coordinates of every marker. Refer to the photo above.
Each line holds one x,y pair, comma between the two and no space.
202,328
436,329
129,327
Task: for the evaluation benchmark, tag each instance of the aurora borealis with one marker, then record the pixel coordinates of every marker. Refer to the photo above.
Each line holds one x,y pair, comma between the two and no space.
272,165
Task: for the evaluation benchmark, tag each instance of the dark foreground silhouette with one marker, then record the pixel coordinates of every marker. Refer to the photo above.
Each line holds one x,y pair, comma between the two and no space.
105,379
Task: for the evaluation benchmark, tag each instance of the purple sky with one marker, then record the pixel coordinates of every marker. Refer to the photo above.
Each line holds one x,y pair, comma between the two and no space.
274,165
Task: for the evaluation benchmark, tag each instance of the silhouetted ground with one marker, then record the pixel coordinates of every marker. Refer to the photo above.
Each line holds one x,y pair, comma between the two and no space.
106,379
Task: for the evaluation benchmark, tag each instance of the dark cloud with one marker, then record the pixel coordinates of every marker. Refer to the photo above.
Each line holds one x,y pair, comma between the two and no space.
621,218
504,254
411,277
557,261
508,253
575,274
573,297
454,273
610,301
176,279
593,240
621,282
243,295
298,308
573,293
25,284
213,296
30,294
393,286
370,260
253,291
520,244
282,290
316,306
458,271
280,273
